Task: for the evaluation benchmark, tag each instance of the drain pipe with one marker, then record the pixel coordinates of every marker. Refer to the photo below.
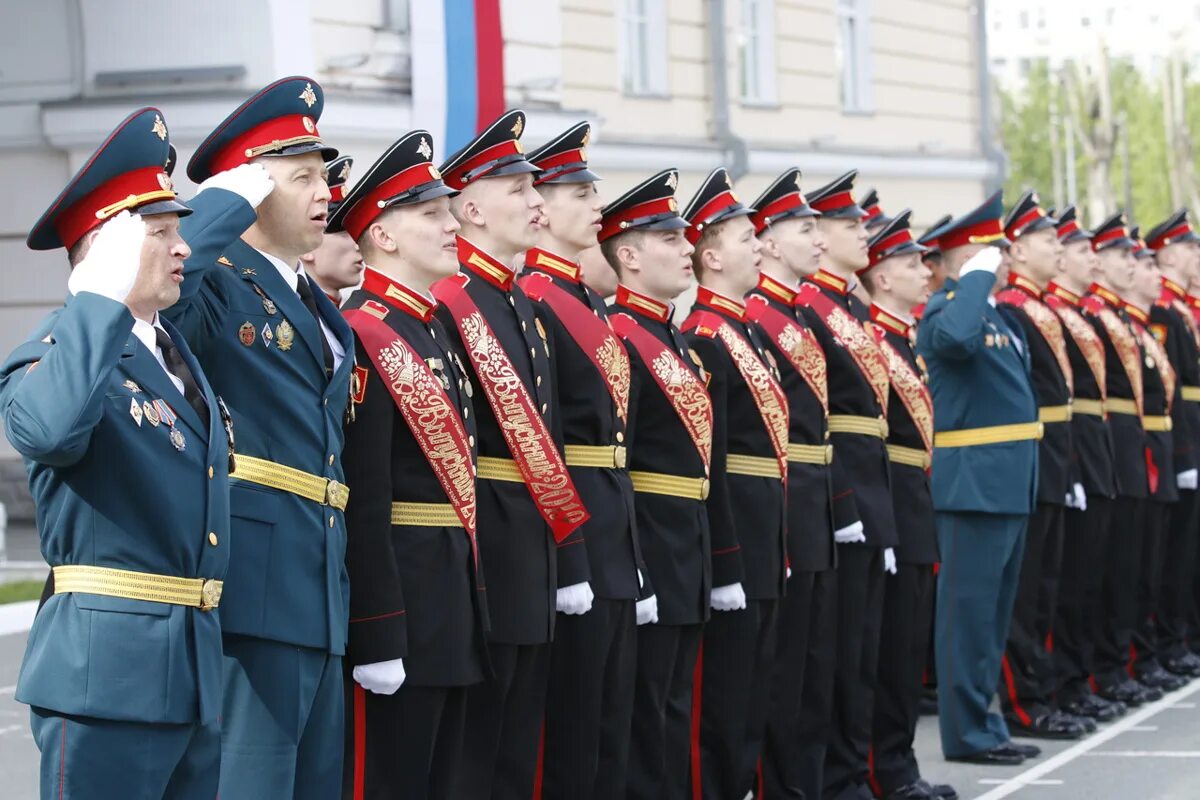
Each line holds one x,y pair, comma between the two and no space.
987,124
734,154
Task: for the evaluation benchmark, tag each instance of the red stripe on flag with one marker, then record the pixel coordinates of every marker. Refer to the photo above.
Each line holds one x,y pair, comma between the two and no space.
489,63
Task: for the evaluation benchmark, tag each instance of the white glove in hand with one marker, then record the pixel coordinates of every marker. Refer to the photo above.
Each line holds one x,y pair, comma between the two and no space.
850,534
574,599
728,598
251,181
889,561
1080,497
383,677
1186,479
113,260
988,259
647,610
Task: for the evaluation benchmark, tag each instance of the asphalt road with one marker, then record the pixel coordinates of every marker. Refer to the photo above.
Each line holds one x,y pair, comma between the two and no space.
1152,753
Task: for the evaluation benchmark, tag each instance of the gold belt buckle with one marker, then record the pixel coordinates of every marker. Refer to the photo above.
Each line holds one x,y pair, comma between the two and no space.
619,456
210,594
705,485
337,494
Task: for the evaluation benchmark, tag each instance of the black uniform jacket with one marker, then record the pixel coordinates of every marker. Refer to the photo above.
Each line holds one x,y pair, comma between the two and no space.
1161,388
1172,324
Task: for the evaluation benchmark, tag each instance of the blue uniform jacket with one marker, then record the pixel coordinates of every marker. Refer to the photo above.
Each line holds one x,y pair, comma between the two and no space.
978,379
112,490
287,576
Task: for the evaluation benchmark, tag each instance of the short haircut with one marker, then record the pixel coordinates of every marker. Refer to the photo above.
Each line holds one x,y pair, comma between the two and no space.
609,247
708,239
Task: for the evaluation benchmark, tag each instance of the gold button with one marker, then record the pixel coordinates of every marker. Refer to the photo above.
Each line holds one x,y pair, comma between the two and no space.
471,441
524,327
544,407
620,436
539,380
331,459
532,353
212,538
210,473
466,412
331,520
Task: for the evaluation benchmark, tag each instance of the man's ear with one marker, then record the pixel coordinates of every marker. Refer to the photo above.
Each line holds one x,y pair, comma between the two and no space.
770,246
627,255
308,258
710,259
380,239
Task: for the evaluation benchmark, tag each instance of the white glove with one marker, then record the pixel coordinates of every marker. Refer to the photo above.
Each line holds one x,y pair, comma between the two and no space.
1186,479
383,677
647,610
112,262
988,259
850,534
1080,497
251,181
728,598
889,561
575,599
789,573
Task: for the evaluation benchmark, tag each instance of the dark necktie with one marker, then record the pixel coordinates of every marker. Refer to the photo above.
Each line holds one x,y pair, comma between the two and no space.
310,302
179,368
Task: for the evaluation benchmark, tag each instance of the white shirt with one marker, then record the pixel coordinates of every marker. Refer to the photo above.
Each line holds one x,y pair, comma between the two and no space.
291,276
144,331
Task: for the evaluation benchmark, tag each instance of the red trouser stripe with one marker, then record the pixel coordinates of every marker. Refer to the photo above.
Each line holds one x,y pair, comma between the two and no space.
1012,691
360,740
697,692
871,779
541,763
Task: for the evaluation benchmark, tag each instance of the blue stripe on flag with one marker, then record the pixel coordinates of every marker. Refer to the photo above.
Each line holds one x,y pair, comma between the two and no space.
462,90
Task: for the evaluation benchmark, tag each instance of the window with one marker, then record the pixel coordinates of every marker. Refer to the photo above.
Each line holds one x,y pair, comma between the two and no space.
854,55
642,47
756,51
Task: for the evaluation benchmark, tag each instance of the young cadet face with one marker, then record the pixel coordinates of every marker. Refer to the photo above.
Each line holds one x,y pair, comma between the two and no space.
571,214
292,217
736,250
663,259
1080,265
904,279
336,264
845,243
161,271
510,208
1037,255
797,242
1116,265
422,236
1147,281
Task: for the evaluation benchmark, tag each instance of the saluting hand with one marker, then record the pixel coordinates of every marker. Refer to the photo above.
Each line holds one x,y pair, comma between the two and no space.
988,260
111,264
250,181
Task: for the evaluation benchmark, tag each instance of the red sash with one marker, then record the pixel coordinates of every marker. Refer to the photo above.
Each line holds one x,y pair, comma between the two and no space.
850,332
1085,337
911,390
1156,352
767,393
1048,326
430,415
796,342
1123,342
588,331
683,390
541,464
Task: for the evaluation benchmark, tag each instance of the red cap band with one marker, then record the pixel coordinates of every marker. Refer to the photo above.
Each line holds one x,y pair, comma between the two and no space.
127,191
272,135
615,224
834,201
707,211
458,176
366,209
987,231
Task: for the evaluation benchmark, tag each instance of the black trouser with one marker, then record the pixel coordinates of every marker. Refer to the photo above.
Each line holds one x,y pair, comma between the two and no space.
733,687
408,744
589,704
1154,535
504,725
1179,574
801,688
1027,671
903,646
1122,559
660,747
859,616
1080,597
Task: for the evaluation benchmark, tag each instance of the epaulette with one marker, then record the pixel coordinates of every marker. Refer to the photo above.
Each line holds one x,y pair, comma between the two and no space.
375,309
224,262
1092,304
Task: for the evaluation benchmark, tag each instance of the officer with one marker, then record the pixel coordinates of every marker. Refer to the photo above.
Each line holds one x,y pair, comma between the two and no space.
1163,419
337,264
1088,516
746,504
670,448
277,349
529,510
589,706
417,609
898,280
802,676
123,665
1027,670
1177,250
932,257
858,394
1124,358
985,419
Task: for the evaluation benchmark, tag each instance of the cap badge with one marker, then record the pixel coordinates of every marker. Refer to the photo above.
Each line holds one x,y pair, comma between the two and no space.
433,173
344,175
673,181
423,148
728,182
164,180
308,95
671,204
160,128
517,127
309,125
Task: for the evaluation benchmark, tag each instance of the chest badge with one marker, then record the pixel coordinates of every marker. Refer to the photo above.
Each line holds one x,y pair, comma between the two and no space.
246,334
151,413
285,335
135,411
178,440
132,386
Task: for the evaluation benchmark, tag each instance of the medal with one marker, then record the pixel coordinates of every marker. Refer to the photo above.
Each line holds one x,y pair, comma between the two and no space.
131,386
151,412
165,413
178,440
285,334
269,306
135,411
246,334
267,336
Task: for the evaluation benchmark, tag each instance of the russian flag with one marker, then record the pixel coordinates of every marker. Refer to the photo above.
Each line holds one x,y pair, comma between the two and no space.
458,69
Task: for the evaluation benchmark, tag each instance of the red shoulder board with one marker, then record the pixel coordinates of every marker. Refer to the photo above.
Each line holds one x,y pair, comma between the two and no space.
358,384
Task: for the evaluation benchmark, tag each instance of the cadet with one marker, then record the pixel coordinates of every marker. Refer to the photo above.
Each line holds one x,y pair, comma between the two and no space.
670,449
746,502
984,480
589,706
802,676
1177,252
1027,670
277,349
1104,308
337,263
1088,518
128,453
417,609
898,281
529,511
875,218
858,395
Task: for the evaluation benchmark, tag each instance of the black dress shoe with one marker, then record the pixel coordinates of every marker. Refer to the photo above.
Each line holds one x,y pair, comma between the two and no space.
1183,666
1149,693
1054,725
1094,707
1002,755
1161,679
1026,750
1087,723
1129,692
913,791
941,791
